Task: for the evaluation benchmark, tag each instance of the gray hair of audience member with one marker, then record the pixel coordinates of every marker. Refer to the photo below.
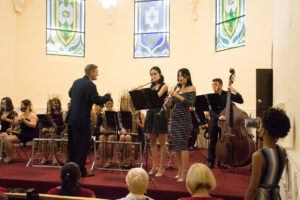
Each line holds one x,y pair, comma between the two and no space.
137,181
89,68
199,176
3,196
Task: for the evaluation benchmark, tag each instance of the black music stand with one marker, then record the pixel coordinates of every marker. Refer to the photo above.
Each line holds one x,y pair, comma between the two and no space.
46,121
112,120
126,119
57,118
145,99
207,102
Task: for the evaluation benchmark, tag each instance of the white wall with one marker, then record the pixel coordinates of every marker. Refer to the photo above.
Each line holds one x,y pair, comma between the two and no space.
111,48
7,49
286,42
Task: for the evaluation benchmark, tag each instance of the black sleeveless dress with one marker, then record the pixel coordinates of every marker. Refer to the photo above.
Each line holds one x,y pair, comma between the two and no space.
27,133
4,124
154,123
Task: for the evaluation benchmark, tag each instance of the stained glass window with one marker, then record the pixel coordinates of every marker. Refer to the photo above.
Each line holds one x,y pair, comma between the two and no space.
65,27
152,28
230,24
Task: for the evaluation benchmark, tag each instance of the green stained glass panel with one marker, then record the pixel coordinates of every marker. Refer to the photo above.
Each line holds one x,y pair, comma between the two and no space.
230,24
66,27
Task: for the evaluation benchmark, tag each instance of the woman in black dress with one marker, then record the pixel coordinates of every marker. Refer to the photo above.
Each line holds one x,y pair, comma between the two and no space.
8,116
27,129
157,125
182,121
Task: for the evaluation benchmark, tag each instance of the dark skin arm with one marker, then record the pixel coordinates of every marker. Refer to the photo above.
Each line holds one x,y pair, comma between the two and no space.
257,168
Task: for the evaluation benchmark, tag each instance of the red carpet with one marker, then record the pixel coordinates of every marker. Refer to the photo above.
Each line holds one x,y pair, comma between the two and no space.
231,185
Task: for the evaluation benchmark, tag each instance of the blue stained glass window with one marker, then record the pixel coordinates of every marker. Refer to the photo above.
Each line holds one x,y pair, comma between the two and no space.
230,24
152,28
66,27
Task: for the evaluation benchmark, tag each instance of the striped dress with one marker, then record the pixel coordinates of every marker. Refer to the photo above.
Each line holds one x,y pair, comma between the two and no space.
274,164
182,121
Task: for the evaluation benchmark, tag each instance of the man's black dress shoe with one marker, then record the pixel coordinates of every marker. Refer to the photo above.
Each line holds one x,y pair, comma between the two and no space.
87,174
211,165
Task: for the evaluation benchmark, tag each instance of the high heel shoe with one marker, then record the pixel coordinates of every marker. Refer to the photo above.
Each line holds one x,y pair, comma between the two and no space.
153,171
182,177
159,173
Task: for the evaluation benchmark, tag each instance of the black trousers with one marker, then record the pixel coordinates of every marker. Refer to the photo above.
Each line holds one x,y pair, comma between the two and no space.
213,130
78,143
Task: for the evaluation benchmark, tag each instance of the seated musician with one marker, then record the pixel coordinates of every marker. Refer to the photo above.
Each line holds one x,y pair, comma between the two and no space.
107,134
28,129
8,116
96,120
55,110
135,134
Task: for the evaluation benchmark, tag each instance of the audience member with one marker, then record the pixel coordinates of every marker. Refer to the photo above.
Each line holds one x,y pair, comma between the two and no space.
3,196
70,177
268,163
200,181
137,182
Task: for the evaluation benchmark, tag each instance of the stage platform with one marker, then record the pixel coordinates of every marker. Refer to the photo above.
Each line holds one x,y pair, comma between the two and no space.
231,184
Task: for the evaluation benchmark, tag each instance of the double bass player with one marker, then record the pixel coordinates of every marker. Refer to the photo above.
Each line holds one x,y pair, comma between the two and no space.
213,129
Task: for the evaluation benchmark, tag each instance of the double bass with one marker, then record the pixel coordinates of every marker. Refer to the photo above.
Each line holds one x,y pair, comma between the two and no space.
234,146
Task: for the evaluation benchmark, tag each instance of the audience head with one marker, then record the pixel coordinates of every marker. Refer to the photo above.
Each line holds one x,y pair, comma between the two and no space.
70,176
137,181
26,106
198,177
217,85
91,71
156,74
276,123
6,104
184,77
3,196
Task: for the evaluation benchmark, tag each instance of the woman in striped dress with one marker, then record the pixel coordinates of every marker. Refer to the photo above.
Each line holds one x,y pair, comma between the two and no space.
182,121
268,162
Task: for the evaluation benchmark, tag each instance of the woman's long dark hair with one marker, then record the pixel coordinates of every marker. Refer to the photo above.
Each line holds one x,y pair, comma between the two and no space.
9,104
161,79
56,100
70,175
186,74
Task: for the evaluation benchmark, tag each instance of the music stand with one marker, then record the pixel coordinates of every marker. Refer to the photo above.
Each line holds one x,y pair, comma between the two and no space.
57,118
112,120
145,99
47,121
207,102
126,119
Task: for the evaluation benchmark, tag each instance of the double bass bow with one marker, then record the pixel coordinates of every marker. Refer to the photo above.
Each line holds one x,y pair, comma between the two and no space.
234,146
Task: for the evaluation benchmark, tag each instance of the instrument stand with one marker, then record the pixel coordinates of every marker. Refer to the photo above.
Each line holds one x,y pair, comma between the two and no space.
170,165
52,123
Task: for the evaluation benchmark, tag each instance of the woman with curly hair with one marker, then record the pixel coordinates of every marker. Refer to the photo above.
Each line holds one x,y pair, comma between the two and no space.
268,162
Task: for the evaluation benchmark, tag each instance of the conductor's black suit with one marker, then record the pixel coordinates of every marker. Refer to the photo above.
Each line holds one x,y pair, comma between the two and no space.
83,94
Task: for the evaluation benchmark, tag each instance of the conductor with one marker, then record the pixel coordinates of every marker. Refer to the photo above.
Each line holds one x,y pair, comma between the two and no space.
83,94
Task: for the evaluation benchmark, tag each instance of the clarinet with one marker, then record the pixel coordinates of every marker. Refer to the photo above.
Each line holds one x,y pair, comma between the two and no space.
168,99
